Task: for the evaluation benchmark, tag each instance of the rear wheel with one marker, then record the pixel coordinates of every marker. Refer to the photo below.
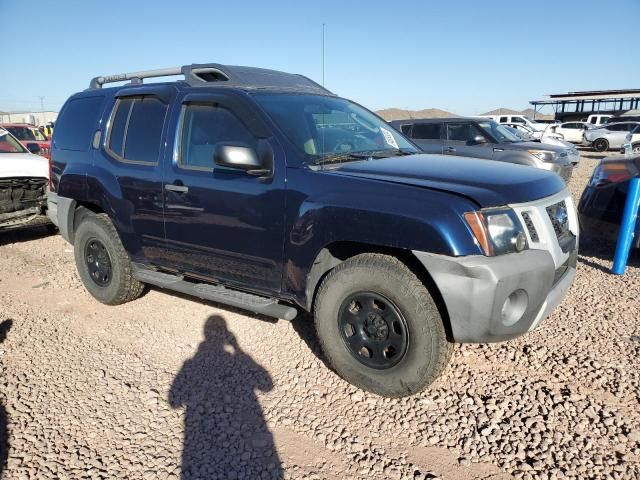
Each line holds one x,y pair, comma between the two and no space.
379,326
601,145
102,262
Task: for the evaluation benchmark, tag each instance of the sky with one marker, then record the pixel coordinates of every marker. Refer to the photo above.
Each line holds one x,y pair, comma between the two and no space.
463,56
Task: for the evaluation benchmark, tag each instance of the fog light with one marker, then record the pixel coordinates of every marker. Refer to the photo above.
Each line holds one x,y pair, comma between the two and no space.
514,307
519,241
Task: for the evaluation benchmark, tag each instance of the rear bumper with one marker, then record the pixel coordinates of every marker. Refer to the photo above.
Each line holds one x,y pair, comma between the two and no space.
492,299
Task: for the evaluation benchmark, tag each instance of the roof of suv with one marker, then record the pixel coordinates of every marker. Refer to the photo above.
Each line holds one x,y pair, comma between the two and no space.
217,75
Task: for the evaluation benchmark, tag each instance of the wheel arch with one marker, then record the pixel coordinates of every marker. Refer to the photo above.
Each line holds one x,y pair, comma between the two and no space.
335,253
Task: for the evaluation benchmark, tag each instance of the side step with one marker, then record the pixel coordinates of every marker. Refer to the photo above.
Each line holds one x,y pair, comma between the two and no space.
216,293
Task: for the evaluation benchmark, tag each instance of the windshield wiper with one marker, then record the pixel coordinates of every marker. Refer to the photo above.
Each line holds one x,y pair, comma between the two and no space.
342,157
363,155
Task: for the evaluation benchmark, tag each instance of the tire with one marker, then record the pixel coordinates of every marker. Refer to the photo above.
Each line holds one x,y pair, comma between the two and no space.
601,145
96,236
413,312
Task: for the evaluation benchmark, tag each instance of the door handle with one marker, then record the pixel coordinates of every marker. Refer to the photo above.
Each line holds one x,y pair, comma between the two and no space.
498,149
170,187
449,149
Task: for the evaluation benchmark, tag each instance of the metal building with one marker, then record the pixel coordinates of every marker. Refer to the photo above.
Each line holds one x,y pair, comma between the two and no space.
579,105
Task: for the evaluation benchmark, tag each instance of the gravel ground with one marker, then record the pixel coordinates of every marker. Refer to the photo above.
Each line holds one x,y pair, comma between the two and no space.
168,386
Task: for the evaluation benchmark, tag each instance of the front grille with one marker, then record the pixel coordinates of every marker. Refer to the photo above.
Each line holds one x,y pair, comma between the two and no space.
530,227
559,218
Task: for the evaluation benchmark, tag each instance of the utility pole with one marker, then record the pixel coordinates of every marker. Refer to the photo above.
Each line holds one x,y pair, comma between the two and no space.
42,110
323,36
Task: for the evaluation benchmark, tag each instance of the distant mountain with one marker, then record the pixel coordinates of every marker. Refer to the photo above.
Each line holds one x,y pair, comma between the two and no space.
400,114
529,112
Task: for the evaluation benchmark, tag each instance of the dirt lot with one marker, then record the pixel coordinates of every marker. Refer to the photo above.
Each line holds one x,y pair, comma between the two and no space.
168,386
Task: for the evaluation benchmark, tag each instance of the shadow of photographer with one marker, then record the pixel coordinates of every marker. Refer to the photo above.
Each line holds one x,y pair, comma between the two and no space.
225,433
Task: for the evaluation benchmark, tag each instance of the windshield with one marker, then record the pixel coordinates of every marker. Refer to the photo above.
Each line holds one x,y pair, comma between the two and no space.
27,134
500,133
9,144
322,126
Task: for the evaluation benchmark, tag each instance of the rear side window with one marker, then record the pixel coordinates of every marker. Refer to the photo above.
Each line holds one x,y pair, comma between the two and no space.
135,134
76,124
203,127
406,129
426,131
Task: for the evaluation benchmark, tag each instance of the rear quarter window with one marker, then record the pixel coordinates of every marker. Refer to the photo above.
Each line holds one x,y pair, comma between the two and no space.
77,122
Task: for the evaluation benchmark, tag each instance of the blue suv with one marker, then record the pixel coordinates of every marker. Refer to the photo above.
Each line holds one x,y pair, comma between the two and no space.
263,190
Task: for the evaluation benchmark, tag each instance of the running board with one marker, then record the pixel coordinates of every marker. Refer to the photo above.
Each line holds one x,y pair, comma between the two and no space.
216,293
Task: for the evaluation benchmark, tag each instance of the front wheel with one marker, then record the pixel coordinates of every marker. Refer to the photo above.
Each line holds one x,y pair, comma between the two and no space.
601,145
379,327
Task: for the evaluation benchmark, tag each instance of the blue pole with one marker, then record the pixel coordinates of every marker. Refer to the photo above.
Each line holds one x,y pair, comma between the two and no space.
629,218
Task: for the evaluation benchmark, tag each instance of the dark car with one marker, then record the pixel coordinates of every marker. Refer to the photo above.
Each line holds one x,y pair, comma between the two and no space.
263,190
483,138
603,200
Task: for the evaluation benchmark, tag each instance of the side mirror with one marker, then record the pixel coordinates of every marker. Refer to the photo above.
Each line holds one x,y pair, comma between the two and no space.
34,148
241,158
478,139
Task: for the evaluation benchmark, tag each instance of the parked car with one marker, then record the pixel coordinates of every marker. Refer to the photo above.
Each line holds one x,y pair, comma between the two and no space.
24,179
31,137
547,137
265,191
521,119
631,145
598,119
610,136
485,139
603,200
572,131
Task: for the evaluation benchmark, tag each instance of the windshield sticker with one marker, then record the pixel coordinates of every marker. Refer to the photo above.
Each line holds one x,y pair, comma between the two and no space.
389,138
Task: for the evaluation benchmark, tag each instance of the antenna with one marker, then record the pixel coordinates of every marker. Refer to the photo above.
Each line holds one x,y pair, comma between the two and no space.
323,36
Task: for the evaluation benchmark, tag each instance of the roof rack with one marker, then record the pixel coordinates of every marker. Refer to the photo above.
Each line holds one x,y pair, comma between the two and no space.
206,74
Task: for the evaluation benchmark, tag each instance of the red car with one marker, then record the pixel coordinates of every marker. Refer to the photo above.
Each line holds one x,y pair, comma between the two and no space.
29,135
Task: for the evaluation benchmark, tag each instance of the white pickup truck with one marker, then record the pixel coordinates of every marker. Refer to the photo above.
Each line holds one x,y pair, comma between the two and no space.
521,119
24,180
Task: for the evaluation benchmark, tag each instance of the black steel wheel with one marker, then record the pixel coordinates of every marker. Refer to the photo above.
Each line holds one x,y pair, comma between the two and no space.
379,326
98,262
374,330
101,260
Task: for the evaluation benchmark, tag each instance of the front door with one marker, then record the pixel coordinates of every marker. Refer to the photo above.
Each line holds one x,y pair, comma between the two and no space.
222,224
462,139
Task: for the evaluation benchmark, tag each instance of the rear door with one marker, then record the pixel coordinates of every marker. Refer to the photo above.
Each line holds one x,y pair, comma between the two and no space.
129,159
428,136
223,224
461,140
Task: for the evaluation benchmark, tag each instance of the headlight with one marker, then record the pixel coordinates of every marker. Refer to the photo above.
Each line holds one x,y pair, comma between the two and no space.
544,155
497,231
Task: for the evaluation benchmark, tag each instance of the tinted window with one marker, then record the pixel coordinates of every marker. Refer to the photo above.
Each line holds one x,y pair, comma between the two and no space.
203,127
76,124
144,134
518,120
426,131
136,129
118,124
504,119
462,132
406,129
571,125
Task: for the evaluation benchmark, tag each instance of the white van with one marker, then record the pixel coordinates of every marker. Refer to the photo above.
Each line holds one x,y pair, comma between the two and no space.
598,119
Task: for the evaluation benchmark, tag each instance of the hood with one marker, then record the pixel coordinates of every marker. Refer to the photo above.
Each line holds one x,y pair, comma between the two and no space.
23,165
532,146
488,183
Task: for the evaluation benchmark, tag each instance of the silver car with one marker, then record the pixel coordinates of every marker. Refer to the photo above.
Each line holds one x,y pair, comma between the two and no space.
611,135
